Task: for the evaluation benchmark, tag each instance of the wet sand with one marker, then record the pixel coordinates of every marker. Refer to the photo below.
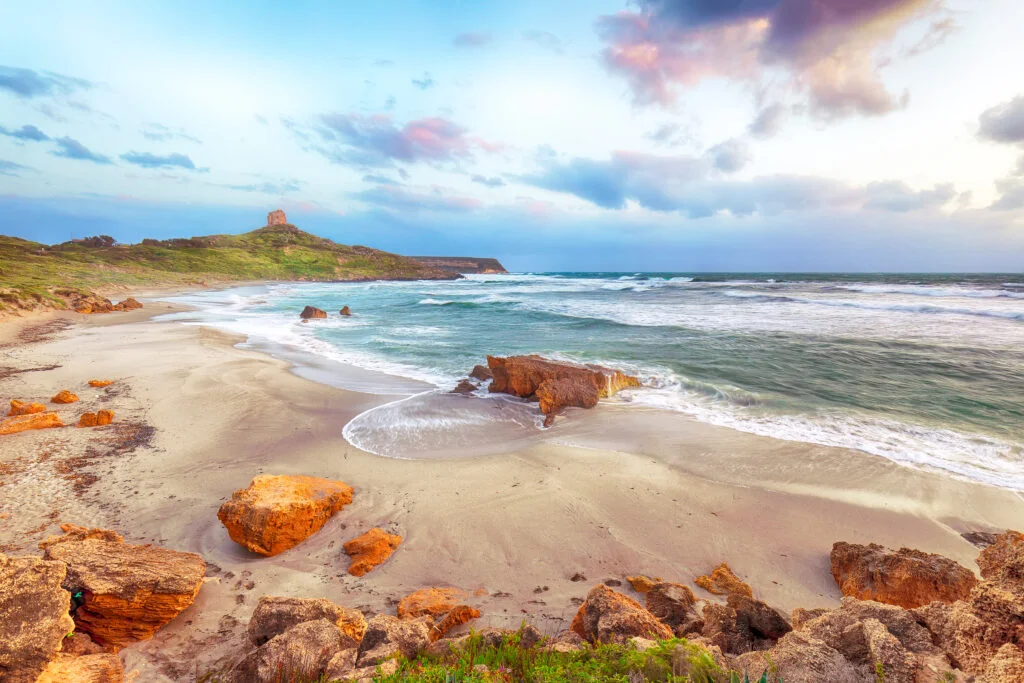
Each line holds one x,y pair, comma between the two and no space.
606,493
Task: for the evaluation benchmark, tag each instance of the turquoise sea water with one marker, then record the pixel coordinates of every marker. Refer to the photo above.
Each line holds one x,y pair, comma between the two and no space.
927,370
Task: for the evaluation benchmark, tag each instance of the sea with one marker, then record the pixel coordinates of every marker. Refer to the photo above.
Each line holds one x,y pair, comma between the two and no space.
924,370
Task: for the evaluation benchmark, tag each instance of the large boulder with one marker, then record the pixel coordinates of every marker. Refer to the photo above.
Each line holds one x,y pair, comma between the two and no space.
743,624
124,592
277,512
24,423
312,312
481,372
722,581
33,616
302,653
275,615
905,577
387,636
799,658
674,605
370,549
610,617
565,384
345,311
103,667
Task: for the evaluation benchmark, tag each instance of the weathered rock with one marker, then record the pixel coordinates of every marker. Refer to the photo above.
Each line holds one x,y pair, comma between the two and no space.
610,617
763,621
303,652
567,384
886,653
1003,560
24,423
64,396
79,643
435,602
481,372
371,674
33,616
387,636
743,624
99,383
344,311
722,581
464,387
641,584
833,626
529,636
566,641
275,615
905,577
92,304
674,605
22,408
129,304
73,532
342,665
277,512
102,667
1006,667
311,312
980,539
277,217
125,592
87,420
799,658
99,419
458,615
370,549
801,616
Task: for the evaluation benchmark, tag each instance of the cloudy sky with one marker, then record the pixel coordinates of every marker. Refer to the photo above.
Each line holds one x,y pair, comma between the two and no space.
597,135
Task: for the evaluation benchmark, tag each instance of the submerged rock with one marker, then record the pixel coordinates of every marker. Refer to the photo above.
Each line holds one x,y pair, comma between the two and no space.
23,423
722,581
277,512
904,577
370,550
464,387
311,312
610,617
22,408
275,615
345,311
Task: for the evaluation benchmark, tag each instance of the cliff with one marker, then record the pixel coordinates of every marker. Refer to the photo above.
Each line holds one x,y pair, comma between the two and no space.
462,264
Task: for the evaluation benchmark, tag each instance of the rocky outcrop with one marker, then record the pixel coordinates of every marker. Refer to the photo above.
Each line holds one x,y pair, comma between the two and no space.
64,396
99,419
312,312
345,311
904,577
275,615
743,624
22,408
129,304
370,549
277,512
277,217
610,617
23,423
798,658
674,605
33,616
123,593
101,667
1006,667
100,383
387,636
722,581
1002,561
556,384
301,653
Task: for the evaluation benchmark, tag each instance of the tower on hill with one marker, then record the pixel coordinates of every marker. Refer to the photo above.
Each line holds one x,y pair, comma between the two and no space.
276,217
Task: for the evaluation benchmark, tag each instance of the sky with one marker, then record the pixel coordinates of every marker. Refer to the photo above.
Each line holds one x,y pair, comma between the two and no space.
660,135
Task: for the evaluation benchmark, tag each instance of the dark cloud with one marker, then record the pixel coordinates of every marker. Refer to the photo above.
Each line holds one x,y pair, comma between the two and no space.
768,122
827,47
545,39
472,39
893,195
10,168
27,83
494,181
148,160
402,199
730,156
161,133
268,187
1003,122
423,83
26,132
70,148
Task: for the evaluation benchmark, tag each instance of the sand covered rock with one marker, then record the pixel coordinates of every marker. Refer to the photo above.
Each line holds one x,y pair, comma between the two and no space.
277,512
275,615
95,668
33,616
301,653
370,550
312,313
674,605
24,423
722,581
610,617
905,577
100,383
23,408
387,636
124,592
64,396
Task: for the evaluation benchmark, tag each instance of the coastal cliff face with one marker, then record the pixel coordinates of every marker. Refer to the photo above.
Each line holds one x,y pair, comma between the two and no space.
462,265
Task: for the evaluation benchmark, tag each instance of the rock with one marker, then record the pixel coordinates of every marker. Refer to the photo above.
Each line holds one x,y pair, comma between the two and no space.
387,636
801,616
79,643
905,577
277,217
641,644
458,615
311,312
33,616
95,668
833,627
87,420
98,383
23,423
529,636
429,601
464,387
100,419
722,581
64,396
124,592
129,304
762,620
799,658
1003,560
277,512
370,550
641,584
1006,667
980,539
92,304
370,674
302,653
743,624
22,408
275,615
886,653
342,665
568,384
481,373
73,532
610,617
344,311
674,604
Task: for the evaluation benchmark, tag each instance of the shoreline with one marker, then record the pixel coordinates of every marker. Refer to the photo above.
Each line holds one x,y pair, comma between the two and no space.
639,502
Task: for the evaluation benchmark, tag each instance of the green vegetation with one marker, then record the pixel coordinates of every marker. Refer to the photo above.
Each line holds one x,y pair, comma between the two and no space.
34,275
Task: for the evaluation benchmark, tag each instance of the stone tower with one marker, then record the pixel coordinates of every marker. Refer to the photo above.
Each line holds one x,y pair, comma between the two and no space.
276,217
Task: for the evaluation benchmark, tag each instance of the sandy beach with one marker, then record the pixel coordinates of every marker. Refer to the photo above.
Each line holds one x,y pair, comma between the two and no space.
605,494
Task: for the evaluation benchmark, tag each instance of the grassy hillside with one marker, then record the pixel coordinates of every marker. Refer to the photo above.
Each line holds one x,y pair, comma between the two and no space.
34,275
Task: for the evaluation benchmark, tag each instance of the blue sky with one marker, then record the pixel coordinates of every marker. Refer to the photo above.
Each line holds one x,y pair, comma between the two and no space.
658,135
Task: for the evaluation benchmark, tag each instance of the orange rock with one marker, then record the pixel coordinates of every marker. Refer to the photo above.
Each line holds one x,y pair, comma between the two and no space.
722,581
1003,560
100,382
104,417
88,420
22,423
905,577
312,312
345,311
457,616
22,408
642,584
370,550
129,304
64,396
432,601
610,617
276,513
94,668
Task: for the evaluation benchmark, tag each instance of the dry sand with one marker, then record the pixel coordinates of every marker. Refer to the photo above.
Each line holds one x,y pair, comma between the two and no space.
197,418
